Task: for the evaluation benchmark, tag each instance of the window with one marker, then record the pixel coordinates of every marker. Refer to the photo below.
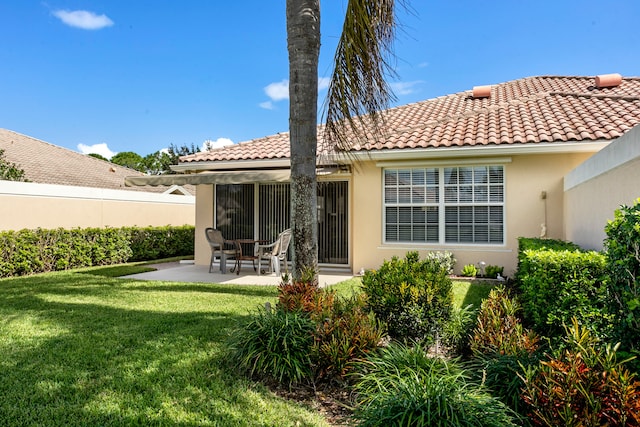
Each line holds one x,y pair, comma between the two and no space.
444,205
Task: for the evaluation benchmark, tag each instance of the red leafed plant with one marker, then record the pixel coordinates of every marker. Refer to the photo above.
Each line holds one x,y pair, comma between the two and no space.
582,385
298,294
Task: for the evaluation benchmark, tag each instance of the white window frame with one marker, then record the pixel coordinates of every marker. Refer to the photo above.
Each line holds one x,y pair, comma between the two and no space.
442,203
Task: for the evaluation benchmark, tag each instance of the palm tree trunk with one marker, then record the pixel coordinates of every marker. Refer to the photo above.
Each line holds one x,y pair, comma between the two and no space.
303,41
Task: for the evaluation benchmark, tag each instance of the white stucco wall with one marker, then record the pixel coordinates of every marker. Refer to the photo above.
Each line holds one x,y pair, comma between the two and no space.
31,205
596,188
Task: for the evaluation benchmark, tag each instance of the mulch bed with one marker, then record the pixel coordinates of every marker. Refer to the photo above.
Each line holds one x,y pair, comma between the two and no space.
331,401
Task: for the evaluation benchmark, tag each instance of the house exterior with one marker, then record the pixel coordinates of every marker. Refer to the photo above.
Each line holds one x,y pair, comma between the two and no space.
467,173
68,189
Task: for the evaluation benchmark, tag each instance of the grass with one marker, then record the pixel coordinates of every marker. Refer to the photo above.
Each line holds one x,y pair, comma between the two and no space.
464,292
79,349
87,348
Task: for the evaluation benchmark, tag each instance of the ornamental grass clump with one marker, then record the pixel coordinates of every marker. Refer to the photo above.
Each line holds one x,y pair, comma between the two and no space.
275,345
311,335
403,386
412,297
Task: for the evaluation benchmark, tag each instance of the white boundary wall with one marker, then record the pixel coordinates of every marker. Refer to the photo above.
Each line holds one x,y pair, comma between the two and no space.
31,205
599,186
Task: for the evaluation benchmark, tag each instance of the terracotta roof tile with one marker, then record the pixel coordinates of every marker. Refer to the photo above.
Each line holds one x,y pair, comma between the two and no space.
530,110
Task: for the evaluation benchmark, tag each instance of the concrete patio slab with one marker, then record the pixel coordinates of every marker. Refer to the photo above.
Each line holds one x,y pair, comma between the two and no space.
179,272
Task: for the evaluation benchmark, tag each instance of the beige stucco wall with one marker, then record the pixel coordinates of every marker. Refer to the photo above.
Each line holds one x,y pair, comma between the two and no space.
595,189
204,219
30,205
527,176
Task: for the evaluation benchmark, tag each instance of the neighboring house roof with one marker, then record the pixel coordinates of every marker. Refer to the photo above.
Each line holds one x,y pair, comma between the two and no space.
46,163
545,109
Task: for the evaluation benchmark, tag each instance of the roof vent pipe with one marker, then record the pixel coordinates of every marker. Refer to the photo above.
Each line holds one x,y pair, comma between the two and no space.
608,80
482,91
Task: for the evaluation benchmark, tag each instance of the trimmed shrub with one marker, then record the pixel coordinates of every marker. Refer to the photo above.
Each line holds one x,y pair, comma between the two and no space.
583,385
623,265
151,243
557,285
36,251
535,244
413,298
402,386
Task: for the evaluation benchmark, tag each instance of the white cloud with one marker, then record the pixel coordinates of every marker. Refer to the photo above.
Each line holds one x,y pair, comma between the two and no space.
278,91
405,88
267,105
83,19
323,82
218,143
101,149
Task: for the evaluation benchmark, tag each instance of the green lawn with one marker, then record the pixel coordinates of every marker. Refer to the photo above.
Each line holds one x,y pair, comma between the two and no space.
464,292
85,348
81,349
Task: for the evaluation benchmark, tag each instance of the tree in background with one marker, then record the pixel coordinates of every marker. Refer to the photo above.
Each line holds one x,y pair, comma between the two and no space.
130,160
98,156
158,163
10,171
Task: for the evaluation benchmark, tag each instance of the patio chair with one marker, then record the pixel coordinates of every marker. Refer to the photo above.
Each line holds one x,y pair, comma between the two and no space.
275,253
219,247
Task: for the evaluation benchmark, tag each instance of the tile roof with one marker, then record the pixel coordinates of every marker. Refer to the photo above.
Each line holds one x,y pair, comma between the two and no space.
525,111
50,164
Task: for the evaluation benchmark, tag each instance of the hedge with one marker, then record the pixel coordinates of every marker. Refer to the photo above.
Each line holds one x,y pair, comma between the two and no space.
558,281
41,250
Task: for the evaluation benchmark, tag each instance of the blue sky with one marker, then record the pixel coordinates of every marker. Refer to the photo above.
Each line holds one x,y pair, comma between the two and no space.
112,76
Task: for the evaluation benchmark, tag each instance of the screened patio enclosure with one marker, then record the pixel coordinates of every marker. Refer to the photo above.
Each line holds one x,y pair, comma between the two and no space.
261,212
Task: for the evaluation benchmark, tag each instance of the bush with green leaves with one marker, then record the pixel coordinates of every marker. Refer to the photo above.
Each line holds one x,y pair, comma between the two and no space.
444,258
41,250
10,171
345,333
583,383
149,243
623,266
557,285
501,347
412,297
492,271
469,270
333,333
403,386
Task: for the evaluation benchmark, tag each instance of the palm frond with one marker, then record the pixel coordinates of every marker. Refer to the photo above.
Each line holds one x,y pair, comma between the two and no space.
358,90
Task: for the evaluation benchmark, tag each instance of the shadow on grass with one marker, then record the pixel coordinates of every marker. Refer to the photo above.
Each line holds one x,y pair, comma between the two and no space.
477,292
69,283
68,360
118,270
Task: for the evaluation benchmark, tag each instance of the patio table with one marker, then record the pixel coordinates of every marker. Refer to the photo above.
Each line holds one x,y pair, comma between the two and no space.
241,256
